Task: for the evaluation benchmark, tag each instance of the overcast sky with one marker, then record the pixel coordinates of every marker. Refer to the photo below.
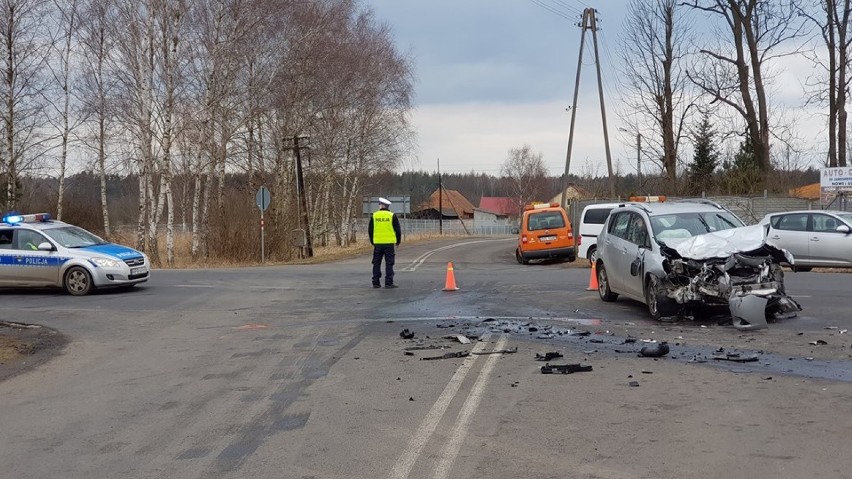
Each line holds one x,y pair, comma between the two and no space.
496,74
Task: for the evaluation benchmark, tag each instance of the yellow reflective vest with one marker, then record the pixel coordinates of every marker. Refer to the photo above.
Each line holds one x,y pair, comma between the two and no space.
383,232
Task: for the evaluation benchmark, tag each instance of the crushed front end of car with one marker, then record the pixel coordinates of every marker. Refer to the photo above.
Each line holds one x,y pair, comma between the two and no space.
732,267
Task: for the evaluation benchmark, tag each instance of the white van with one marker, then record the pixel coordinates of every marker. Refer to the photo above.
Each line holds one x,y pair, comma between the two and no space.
591,222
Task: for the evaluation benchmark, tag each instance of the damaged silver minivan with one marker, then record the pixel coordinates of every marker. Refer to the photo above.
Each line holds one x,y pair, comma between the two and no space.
672,256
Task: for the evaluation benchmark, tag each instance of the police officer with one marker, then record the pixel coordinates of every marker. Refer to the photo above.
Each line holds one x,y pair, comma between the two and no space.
384,235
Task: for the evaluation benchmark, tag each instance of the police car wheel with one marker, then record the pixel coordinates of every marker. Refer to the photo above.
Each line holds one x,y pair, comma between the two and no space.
78,281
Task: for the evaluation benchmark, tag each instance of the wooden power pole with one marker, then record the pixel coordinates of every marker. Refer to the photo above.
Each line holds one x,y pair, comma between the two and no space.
589,22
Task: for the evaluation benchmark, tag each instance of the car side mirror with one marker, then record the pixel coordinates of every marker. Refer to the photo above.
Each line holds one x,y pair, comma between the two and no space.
843,229
45,246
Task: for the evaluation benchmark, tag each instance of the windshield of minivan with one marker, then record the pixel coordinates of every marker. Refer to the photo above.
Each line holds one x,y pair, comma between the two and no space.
687,225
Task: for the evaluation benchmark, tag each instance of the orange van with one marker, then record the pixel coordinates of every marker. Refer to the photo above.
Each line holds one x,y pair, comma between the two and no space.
545,233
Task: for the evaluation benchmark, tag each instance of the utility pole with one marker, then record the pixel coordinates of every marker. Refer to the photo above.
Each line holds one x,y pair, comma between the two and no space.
589,22
303,199
440,202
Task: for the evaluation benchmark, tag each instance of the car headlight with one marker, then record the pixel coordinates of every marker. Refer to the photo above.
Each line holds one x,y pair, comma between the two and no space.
105,262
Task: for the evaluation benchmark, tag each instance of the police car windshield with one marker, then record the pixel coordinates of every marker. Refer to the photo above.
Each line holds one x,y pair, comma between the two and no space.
73,237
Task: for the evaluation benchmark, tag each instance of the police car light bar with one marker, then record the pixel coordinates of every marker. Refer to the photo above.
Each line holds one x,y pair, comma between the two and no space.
34,218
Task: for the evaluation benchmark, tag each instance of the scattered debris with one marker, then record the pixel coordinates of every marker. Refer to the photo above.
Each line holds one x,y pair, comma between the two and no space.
735,357
498,351
462,339
406,334
590,351
767,378
548,356
533,329
628,340
488,320
624,351
647,372
597,341
446,325
564,368
580,333
844,331
410,398
654,350
457,354
818,342
421,348
408,353
633,384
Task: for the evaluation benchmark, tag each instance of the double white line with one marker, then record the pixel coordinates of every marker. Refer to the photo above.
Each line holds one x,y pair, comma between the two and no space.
402,467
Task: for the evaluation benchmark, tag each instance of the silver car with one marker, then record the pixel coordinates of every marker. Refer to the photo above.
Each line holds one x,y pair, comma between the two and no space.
674,255
815,238
38,251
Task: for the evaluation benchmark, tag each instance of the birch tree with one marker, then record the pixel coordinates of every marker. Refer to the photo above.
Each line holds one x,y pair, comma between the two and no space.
66,13
527,172
23,49
97,86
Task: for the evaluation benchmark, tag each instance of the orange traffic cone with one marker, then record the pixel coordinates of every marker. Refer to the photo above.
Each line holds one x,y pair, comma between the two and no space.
593,279
450,285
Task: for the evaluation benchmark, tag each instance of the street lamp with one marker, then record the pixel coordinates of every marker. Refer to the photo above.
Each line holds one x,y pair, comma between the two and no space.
638,156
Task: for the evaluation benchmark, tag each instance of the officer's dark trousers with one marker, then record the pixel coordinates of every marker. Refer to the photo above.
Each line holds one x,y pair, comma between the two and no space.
386,252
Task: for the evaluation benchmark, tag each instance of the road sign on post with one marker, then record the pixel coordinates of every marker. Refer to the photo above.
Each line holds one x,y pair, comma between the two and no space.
262,199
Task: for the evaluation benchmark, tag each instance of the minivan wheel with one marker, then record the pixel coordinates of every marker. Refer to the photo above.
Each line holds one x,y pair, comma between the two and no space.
520,258
593,255
605,293
659,305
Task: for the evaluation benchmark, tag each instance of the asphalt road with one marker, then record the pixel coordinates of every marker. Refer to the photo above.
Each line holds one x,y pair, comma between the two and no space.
299,371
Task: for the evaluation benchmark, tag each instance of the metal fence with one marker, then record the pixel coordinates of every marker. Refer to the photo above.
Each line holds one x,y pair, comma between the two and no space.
749,209
416,228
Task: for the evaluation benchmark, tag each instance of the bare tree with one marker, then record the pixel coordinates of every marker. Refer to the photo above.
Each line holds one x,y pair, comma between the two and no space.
654,46
67,25
735,72
527,173
97,85
23,49
834,30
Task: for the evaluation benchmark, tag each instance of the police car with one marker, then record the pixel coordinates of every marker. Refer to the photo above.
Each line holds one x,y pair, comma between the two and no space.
38,251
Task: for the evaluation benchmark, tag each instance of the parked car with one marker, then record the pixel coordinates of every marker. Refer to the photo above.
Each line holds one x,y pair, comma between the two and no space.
815,238
38,251
675,255
545,233
592,220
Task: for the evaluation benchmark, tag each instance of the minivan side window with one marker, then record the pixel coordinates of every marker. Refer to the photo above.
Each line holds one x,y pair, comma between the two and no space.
619,225
596,216
637,233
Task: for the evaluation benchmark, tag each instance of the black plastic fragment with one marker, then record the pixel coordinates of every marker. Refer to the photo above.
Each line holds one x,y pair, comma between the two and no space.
564,368
548,356
406,334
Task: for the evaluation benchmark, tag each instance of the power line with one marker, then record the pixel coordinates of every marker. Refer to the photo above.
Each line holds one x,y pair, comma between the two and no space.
554,10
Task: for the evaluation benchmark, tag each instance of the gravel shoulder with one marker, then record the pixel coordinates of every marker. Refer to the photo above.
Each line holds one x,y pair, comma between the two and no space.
24,346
